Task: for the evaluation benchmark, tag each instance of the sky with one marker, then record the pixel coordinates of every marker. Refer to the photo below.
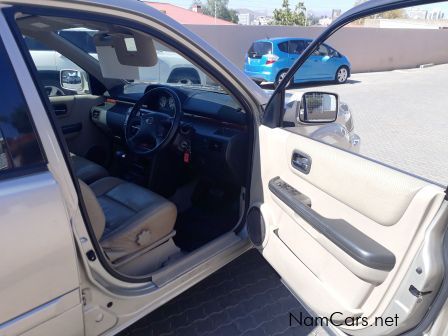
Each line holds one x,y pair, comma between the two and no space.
318,6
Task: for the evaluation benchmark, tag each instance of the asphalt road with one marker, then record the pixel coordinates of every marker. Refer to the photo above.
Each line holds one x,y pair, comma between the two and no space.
401,117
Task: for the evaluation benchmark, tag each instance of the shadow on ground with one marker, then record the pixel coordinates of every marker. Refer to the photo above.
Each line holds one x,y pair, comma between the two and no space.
310,84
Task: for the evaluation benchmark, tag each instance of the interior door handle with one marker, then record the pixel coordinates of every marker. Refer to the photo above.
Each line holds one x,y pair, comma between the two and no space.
301,162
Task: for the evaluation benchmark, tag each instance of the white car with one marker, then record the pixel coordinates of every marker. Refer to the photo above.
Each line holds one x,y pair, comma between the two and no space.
118,196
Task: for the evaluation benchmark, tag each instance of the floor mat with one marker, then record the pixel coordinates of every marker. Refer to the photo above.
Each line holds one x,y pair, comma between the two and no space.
213,212
198,226
244,298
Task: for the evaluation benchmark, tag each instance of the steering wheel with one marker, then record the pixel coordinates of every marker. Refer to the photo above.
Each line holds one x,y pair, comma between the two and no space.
148,131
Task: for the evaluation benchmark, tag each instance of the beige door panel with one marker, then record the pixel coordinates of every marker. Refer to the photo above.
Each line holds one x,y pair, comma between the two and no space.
375,202
73,116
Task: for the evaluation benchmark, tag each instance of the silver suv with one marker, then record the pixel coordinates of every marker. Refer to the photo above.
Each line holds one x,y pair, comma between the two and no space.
115,200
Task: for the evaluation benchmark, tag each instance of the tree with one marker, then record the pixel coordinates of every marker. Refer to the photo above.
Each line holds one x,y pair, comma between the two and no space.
286,17
222,10
196,3
393,14
312,19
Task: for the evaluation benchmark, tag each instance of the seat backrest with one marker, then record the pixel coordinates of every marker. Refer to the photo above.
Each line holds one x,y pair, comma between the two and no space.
94,211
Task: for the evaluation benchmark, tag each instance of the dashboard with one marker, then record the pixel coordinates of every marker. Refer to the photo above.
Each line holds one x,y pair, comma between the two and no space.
213,128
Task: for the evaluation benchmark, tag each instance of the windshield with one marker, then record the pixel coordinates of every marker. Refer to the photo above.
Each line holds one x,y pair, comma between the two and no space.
171,67
82,38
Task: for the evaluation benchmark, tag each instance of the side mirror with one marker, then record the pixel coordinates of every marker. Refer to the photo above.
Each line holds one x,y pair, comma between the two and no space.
318,107
72,80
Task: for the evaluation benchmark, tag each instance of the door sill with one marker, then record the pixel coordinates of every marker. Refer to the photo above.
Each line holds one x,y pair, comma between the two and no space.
228,247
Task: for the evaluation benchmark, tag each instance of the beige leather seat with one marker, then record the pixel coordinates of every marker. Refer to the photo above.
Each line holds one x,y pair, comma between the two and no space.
86,170
126,217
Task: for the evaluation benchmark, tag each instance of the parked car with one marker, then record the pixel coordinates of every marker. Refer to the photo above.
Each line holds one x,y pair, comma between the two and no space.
269,60
115,201
170,68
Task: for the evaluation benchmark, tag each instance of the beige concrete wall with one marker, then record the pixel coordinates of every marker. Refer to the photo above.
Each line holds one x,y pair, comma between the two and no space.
369,49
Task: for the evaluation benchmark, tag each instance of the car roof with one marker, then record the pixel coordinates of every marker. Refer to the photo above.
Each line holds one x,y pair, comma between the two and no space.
283,39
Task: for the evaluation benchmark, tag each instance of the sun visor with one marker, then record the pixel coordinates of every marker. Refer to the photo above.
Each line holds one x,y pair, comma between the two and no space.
122,55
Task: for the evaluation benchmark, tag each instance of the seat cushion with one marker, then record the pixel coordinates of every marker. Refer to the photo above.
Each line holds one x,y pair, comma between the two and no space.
135,216
86,170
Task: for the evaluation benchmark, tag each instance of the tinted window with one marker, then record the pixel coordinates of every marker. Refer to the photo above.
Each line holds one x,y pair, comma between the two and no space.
19,147
283,47
49,64
258,49
322,51
34,44
332,52
82,39
297,46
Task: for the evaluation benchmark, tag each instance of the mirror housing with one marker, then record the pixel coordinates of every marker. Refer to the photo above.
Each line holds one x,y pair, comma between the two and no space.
72,80
318,107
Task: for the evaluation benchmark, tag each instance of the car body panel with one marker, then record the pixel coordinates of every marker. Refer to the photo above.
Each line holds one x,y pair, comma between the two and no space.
42,231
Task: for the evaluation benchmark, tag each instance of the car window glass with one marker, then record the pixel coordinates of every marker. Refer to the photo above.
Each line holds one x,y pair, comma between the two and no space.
19,147
296,47
61,76
83,39
322,51
392,108
259,49
283,47
49,64
35,45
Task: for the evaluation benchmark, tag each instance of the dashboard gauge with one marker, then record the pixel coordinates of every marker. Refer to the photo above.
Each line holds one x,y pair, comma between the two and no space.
162,102
172,104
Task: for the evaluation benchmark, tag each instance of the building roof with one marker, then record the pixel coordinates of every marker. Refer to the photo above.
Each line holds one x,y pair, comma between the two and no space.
186,16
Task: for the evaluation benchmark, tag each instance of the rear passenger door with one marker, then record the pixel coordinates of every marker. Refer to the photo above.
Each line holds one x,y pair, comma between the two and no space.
323,63
296,48
39,282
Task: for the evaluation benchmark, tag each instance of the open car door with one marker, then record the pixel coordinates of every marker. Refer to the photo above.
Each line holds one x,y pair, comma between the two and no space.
358,242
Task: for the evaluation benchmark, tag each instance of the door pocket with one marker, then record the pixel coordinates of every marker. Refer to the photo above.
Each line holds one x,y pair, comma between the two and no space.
364,253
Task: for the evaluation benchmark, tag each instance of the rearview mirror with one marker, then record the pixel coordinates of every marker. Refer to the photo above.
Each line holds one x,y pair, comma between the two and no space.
319,107
72,80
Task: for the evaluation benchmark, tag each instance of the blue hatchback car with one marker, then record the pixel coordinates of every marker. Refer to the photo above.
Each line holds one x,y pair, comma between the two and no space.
268,61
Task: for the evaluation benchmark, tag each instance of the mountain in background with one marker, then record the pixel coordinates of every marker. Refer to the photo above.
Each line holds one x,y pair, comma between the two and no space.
255,13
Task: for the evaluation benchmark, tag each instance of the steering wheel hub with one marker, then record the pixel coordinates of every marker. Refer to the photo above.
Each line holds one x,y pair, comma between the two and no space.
149,130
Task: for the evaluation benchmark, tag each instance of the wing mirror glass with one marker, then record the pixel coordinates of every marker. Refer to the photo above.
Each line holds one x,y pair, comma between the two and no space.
72,80
319,107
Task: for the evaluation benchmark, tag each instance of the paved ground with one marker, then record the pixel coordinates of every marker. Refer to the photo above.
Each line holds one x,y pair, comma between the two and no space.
401,117
245,298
